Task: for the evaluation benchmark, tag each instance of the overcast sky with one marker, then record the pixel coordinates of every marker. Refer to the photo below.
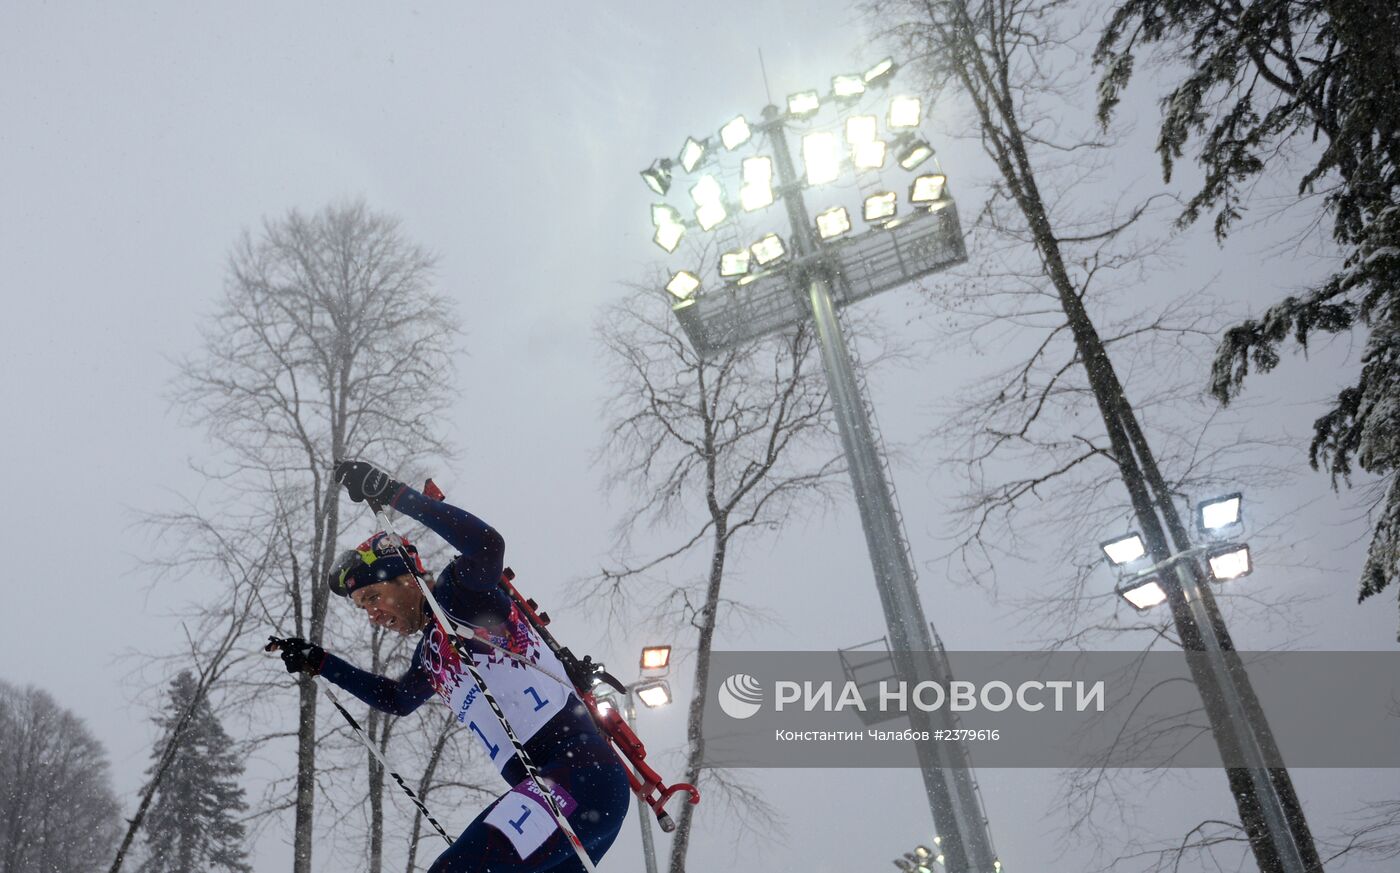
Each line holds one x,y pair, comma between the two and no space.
139,140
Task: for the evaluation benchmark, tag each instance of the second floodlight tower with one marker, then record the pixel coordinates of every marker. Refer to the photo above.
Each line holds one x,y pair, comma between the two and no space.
764,287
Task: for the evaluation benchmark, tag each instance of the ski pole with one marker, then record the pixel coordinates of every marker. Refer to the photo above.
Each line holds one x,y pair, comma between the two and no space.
466,658
373,750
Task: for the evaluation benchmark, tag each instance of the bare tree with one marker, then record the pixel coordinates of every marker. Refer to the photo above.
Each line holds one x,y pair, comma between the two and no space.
1014,62
425,785
212,650
720,449
57,810
329,342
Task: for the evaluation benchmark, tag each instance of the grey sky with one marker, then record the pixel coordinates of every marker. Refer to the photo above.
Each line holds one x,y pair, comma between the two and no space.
138,141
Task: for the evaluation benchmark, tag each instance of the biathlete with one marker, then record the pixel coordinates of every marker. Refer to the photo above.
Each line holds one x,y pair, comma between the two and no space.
516,833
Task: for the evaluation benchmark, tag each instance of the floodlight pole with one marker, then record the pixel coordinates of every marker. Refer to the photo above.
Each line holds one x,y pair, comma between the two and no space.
946,769
648,846
1221,679
1246,722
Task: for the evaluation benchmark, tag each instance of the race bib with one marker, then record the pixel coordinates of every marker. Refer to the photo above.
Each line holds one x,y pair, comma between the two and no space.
523,815
528,698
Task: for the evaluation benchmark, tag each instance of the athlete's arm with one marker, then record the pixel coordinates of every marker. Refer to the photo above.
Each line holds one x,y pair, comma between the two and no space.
482,548
394,696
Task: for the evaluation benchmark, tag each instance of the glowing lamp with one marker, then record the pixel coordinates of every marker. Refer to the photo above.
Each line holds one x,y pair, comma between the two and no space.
915,154
879,74
731,264
735,133
928,188
878,207
1219,513
847,87
683,284
768,249
833,222
1229,562
1124,550
691,154
656,657
1143,594
804,103
904,112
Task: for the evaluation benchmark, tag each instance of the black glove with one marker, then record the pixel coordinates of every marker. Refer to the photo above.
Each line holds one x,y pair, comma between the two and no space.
364,481
298,655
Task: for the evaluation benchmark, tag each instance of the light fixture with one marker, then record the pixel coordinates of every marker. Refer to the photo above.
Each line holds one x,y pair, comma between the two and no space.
709,202
653,694
923,853
1143,593
803,103
1229,562
669,227
916,153
880,74
904,112
659,657
1124,550
683,284
757,190
879,207
658,175
735,133
1219,513
768,249
668,237
759,169
869,155
709,215
820,158
861,129
847,87
731,264
691,154
753,197
833,222
928,188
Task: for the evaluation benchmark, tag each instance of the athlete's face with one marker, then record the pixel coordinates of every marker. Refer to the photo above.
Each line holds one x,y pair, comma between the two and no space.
395,605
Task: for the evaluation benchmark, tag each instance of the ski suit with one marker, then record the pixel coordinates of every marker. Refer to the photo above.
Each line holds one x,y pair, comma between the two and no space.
516,833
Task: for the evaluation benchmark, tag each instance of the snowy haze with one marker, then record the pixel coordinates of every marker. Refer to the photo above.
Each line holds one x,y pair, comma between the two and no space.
139,140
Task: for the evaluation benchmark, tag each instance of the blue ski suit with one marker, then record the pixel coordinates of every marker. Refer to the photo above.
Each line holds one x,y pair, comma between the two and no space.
515,833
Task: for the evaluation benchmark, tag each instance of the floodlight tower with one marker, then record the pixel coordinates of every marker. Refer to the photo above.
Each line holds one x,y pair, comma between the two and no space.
764,288
1219,522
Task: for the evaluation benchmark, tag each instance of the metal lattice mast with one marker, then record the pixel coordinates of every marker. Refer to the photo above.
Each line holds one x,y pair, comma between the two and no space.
829,270
945,766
